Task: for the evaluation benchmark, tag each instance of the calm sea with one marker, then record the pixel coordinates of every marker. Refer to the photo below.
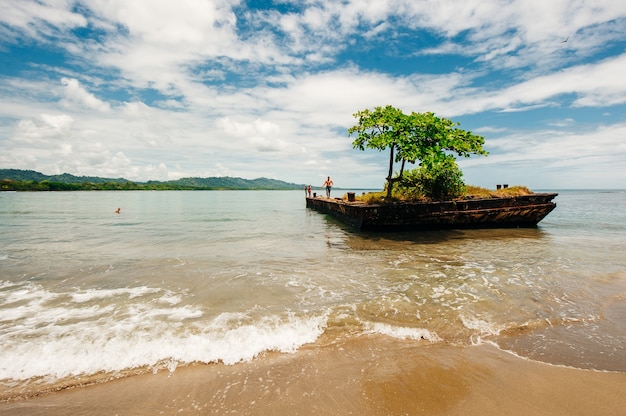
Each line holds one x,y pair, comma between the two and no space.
223,276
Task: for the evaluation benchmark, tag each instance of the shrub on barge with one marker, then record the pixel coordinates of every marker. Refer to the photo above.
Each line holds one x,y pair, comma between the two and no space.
442,181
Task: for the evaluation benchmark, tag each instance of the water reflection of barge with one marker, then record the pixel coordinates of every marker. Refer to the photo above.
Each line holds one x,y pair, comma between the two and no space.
505,212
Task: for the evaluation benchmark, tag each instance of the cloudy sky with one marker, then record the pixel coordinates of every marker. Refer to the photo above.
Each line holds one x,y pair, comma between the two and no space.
164,89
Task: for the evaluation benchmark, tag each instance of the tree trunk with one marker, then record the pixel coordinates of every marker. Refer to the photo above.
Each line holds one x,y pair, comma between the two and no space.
389,177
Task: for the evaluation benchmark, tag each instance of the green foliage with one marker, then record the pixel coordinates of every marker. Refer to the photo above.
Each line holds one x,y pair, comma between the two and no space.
233,183
27,180
441,181
409,187
418,137
379,129
65,178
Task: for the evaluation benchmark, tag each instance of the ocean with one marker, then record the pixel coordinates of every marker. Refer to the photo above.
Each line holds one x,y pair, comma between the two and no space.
181,278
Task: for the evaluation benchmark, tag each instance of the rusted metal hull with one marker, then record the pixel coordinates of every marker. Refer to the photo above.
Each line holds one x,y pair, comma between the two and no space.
518,211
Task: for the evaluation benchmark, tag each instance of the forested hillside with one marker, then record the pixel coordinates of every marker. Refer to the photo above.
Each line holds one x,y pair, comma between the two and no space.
29,180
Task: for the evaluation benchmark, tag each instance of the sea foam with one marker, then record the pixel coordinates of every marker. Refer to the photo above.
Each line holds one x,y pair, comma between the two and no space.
401,332
90,332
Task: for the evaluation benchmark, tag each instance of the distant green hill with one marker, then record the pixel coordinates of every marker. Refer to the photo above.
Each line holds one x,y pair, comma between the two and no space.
29,180
31,175
227,182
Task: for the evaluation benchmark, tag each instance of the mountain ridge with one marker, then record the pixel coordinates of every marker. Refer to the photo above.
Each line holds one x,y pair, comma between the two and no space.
19,179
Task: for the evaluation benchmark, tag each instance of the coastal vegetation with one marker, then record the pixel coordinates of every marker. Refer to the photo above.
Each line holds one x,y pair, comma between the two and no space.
471,192
28,180
423,138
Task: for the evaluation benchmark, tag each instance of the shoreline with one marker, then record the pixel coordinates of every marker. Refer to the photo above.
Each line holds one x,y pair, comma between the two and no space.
373,375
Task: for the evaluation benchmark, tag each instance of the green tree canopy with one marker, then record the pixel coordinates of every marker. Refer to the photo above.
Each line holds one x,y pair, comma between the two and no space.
420,138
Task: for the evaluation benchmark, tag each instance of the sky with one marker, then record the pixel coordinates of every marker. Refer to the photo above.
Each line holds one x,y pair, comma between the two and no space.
161,89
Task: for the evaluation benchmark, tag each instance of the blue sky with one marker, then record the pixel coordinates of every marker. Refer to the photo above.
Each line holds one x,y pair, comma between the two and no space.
158,89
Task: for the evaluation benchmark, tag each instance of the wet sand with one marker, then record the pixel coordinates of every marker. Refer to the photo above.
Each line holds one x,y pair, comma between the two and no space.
363,376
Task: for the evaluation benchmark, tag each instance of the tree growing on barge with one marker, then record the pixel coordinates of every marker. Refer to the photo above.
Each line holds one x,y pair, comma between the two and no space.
417,137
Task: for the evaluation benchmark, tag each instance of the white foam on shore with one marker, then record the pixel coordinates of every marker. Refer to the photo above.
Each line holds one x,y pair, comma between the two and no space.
93,294
94,331
480,327
401,332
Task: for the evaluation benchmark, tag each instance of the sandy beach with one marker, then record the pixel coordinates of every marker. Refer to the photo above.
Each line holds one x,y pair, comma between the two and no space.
372,375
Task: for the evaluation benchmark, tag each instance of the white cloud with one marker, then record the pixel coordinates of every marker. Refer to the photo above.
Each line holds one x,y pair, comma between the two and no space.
39,19
599,84
47,126
563,123
594,85
75,94
259,135
553,159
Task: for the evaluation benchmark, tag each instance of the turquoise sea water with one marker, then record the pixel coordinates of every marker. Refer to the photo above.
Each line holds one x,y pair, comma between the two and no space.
222,276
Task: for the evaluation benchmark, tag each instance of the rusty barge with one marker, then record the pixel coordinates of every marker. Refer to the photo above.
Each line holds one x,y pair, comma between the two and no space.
505,212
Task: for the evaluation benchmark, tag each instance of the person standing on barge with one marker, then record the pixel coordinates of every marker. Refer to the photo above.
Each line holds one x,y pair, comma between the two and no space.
328,184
